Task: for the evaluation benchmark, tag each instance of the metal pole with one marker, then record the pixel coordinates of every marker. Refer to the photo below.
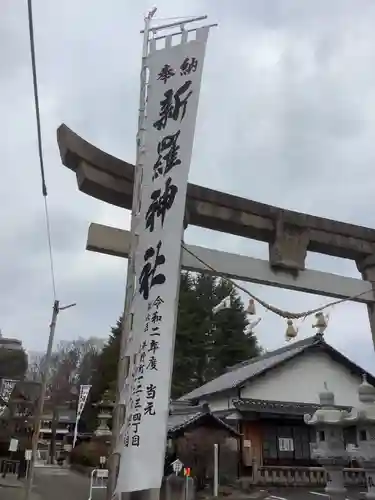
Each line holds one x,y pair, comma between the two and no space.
75,433
123,360
39,410
186,487
187,31
28,469
181,21
216,470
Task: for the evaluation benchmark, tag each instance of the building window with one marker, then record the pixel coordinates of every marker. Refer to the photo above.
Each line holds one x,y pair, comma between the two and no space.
286,444
322,436
270,443
350,435
362,435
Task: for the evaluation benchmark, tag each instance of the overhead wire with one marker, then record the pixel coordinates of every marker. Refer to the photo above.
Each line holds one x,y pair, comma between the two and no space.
40,144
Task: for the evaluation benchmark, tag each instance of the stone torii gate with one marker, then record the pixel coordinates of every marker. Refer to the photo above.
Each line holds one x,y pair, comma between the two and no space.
289,234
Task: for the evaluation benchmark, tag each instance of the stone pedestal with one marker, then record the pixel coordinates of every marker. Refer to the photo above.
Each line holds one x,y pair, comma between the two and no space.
335,478
369,467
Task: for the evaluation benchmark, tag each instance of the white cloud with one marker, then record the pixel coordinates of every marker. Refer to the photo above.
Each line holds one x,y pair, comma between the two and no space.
285,118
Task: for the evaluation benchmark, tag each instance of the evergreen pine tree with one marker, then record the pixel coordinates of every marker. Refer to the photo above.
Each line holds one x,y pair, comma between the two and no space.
206,344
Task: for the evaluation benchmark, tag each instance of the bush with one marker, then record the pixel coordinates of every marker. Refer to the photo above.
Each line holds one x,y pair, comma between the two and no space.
89,453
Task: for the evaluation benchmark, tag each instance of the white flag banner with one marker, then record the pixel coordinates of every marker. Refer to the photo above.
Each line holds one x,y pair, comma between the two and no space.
84,391
7,386
83,395
224,304
172,103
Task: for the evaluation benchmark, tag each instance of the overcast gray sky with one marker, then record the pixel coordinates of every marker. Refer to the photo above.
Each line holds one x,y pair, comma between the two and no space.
286,117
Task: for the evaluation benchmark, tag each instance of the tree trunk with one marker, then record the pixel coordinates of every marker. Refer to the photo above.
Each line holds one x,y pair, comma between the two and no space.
55,421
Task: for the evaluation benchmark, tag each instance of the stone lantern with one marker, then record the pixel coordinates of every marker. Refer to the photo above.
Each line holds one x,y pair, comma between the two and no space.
329,450
105,407
364,418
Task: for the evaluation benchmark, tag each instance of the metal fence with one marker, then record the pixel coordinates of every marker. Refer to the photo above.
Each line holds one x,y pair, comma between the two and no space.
98,480
9,466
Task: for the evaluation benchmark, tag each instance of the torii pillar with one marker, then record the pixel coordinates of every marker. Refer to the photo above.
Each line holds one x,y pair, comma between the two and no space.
366,266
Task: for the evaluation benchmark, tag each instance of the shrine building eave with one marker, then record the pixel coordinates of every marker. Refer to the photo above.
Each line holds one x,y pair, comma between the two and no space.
180,423
290,234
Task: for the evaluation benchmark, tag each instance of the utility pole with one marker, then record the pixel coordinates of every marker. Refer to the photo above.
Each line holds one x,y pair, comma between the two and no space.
40,406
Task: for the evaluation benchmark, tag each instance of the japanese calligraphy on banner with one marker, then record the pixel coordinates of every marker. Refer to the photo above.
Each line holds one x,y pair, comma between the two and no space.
6,390
174,84
84,391
83,395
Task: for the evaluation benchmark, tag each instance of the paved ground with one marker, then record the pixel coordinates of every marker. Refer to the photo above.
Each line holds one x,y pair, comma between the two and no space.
52,483
12,489
62,484
305,494
56,483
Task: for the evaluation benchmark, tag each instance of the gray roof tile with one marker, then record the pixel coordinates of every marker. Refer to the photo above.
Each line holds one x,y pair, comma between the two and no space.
180,421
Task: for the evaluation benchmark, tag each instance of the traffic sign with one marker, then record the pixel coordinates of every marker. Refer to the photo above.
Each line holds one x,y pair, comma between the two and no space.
177,466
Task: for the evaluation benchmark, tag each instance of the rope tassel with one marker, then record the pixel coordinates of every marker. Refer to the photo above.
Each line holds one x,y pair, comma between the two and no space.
291,331
251,308
321,322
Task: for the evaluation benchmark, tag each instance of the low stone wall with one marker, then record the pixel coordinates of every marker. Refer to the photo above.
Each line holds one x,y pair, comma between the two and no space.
302,476
354,477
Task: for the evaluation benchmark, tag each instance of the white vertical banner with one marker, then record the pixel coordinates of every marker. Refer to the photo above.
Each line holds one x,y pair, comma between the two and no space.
7,386
172,102
84,391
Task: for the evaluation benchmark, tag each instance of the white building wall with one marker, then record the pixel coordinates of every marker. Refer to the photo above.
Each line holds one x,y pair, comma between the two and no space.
301,380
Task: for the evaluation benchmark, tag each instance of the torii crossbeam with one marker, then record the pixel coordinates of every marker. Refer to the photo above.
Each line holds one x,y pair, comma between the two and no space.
289,234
